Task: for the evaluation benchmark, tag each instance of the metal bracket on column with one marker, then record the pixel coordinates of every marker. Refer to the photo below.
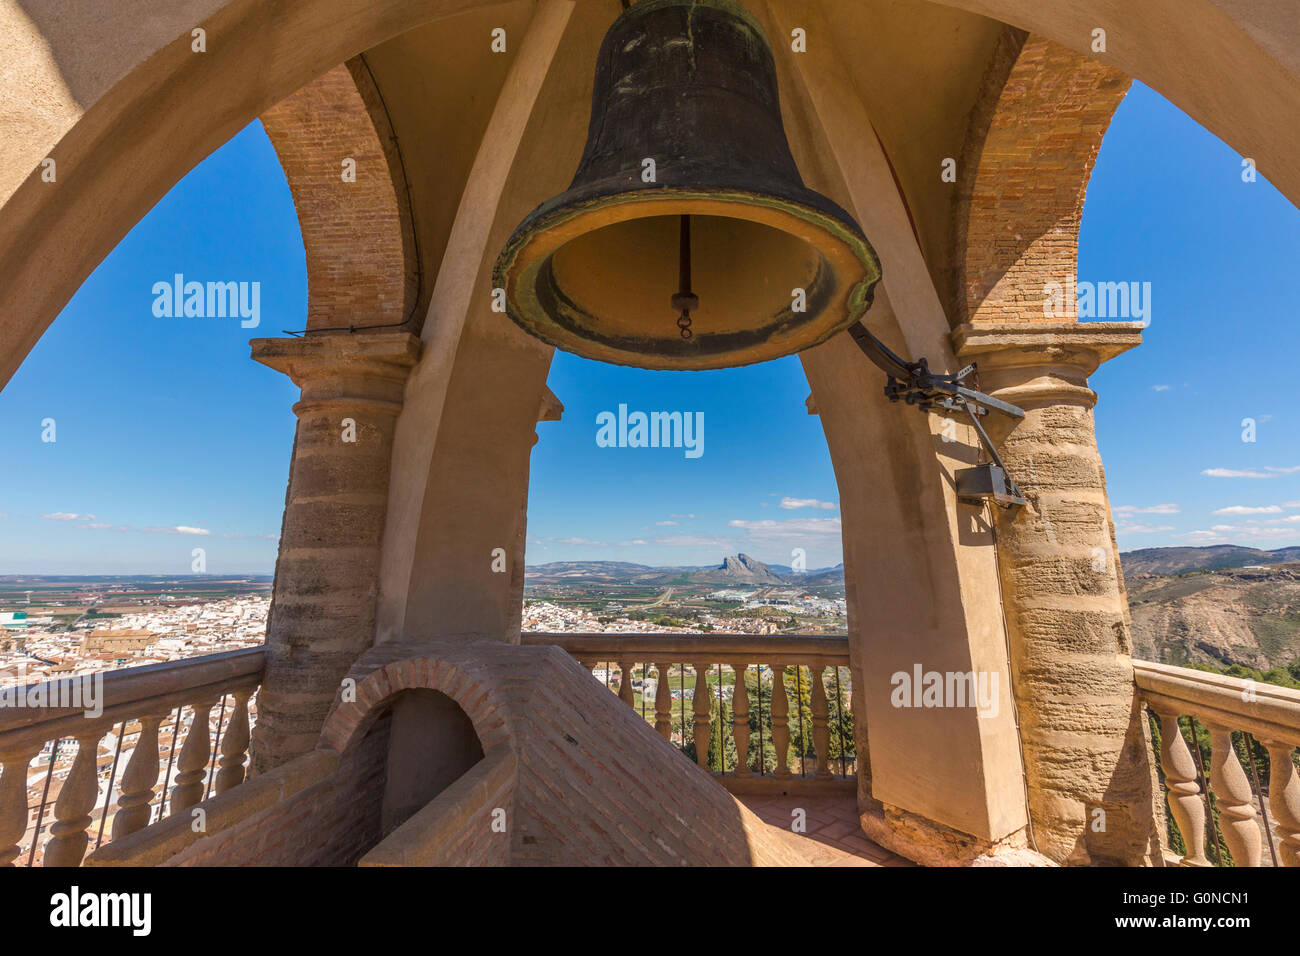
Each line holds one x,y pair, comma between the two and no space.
915,384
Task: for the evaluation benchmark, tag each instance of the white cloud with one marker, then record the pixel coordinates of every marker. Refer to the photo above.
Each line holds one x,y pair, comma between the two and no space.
666,524
1247,510
1291,504
1142,529
94,527
688,517
1234,473
794,531
789,504
1237,534
1148,510
68,516
1160,388
177,529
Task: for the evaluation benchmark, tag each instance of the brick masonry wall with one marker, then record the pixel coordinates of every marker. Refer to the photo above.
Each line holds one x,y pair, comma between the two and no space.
357,235
1032,140
595,785
332,823
476,844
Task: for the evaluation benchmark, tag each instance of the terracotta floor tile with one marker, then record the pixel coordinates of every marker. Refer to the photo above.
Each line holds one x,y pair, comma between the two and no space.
834,836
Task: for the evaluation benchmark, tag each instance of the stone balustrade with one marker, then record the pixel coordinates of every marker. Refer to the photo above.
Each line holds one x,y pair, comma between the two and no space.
765,674
1223,705
132,703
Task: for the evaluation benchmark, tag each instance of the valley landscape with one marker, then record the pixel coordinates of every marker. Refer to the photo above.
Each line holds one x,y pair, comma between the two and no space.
1224,608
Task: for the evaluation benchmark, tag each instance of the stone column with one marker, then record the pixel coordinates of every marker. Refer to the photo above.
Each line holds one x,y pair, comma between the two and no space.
1086,743
326,578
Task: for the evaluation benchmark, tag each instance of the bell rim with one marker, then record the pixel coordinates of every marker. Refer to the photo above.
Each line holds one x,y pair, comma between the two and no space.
562,223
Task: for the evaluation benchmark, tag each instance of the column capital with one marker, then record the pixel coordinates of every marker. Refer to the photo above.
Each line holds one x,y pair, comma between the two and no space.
331,366
327,354
1033,362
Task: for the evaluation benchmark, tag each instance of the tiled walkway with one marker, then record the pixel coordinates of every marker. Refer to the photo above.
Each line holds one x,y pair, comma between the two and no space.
833,836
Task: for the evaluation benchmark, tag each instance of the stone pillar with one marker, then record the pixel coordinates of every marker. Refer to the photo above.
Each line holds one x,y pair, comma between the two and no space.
326,577
1086,744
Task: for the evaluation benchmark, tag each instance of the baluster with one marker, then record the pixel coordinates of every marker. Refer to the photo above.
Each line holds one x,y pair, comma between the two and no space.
192,763
1184,790
821,722
1236,801
68,837
664,704
138,780
234,745
703,726
780,721
740,721
1284,799
625,691
13,801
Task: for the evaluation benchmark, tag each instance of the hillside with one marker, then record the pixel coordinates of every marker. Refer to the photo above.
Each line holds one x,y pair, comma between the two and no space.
1212,558
1247,616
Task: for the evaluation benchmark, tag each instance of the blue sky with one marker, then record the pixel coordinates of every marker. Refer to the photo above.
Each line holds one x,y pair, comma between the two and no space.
169,438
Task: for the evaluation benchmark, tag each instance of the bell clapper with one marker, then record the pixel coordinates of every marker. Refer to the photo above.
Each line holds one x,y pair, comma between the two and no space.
684,301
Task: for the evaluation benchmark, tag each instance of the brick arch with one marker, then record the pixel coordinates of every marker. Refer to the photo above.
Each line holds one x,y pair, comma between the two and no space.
362,267
1031,143
349,721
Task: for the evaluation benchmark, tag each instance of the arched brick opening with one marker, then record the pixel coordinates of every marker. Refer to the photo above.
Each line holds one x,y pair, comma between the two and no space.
425,723
344,168
352,719
1030,147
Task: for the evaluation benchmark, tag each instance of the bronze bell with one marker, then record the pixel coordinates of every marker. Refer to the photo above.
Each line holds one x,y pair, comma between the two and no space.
687,239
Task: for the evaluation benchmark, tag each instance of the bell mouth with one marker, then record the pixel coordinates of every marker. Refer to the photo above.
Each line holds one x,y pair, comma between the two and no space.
773,277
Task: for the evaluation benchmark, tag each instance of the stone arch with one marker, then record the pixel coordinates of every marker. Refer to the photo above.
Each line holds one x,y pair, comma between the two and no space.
1032,139
126,107
349,722
358,235
111,99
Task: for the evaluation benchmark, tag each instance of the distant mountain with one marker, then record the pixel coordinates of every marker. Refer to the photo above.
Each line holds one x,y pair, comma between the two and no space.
1213,558
735,570
740,569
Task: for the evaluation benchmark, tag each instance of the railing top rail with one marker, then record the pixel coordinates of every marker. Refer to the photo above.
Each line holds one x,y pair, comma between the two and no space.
653,647
1266,710
124,691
